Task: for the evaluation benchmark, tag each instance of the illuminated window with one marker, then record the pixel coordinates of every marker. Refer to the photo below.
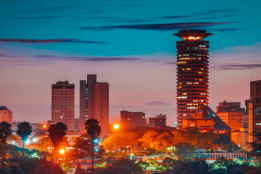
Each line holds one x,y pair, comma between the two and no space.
180,86
200,72
195,83
180,83
258,123
188,69
189,83
200,79
143,116
184,93
192,124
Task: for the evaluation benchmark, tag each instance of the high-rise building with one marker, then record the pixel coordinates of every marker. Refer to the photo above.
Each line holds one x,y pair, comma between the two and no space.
63,104
232,114
132,120
158,121
192,72
6,114
254,109
255,89
94,103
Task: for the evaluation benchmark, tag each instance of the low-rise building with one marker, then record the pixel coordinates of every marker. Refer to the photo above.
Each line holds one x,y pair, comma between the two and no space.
158,121
6,114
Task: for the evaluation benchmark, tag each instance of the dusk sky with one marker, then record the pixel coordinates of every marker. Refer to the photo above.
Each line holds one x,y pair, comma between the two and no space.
129,44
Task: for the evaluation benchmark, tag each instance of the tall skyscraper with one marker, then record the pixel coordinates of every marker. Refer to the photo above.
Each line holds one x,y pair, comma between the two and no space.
94,103
192,72
63,104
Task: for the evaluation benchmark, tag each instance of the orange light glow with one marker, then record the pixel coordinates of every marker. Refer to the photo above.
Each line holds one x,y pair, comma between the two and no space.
61,151
44,126
116,126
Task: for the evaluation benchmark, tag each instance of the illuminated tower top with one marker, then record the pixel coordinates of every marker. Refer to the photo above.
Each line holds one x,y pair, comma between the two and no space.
192,34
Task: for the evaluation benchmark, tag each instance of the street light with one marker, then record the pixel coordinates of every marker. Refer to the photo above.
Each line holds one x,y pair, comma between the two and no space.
44,126
61,151
116,126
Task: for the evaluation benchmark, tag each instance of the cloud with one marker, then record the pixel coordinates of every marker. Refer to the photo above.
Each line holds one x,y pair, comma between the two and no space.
236,66
91,59
49,41
227,29
159,103
42,17
157,27
176,17
210,12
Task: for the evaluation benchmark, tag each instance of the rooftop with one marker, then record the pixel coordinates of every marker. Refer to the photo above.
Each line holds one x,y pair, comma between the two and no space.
3,108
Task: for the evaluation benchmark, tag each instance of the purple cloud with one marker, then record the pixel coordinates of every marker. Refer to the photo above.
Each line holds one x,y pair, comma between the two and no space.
159,103
49,41
158,27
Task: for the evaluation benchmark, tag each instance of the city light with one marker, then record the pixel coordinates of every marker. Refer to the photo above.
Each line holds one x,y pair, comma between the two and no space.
95,140
27,141
61,151
34,139
44,126
116,126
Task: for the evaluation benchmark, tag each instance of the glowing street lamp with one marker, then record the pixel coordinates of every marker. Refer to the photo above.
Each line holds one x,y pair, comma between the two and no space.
61,151
44,126
116,126
27,141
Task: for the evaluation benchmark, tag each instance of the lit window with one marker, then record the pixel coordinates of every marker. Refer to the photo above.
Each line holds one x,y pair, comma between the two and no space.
180,86
258,123
184,93
192,124
200,72
189,83
200,79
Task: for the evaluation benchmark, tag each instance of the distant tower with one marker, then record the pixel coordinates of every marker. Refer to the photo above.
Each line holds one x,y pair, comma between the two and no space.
192,72
6,114
94,103
63,104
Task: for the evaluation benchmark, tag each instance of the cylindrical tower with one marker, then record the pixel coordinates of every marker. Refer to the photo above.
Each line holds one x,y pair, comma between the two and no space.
192,72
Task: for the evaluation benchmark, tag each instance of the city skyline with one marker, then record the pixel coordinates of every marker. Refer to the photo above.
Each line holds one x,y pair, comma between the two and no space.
130,46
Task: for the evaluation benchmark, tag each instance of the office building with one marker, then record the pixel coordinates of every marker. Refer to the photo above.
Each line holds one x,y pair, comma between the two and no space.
192,72
158,121
232,114
205,118
132,120
94,103
6,114
255,90
63,104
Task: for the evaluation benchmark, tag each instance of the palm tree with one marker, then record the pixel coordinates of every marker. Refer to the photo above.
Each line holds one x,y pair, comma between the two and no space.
24,131
56,133
94,131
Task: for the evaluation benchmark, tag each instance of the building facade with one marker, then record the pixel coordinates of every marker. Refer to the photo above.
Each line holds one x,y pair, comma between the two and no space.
192,72
158,121
255,89
133,120
232,114
6,114
63,104
94,103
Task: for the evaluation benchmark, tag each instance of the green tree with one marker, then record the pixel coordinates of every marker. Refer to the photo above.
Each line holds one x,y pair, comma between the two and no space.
121,166
23,131
56,133
82,147
93,130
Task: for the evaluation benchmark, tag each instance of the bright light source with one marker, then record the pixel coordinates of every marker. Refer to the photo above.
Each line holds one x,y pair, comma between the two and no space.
13,142
131,154
116,126
61,151
27,141
95,140
44,126
34,139
96,150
